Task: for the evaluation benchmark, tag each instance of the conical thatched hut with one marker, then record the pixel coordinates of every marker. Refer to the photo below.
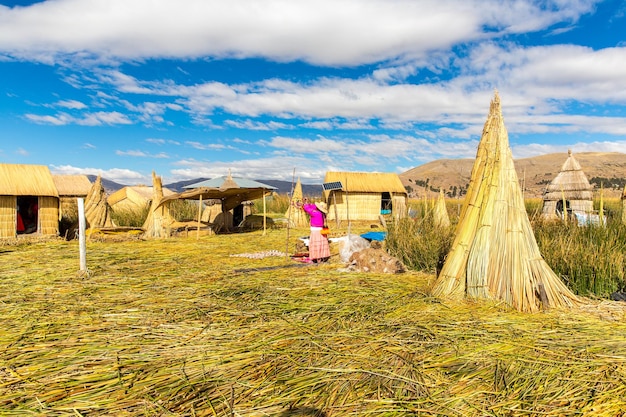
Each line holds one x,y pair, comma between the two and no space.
159,219
364,196
29,201
297,218
494,254
440,212
569,191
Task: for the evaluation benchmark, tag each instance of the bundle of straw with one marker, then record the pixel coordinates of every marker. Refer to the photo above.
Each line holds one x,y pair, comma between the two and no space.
97,210
159,217
494,254
440,212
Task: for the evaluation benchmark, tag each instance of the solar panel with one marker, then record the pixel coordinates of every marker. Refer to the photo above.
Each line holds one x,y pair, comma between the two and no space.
329,186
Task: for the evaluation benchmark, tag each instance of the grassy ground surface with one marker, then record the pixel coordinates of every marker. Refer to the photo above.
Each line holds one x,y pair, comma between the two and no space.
181,327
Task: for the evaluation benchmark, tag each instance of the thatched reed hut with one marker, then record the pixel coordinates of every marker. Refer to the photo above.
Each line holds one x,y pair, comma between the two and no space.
494,254
569,192
134,198
365,196
70,188
29,201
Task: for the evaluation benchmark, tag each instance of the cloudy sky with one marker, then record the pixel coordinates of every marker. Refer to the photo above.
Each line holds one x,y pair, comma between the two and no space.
266,88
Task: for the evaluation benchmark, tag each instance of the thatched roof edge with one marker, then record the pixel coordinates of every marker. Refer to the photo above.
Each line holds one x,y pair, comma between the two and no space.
23,180
369,182
72,185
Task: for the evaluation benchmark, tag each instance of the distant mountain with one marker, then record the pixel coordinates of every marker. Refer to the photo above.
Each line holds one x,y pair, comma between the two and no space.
284,187
109,186
179,186
534,174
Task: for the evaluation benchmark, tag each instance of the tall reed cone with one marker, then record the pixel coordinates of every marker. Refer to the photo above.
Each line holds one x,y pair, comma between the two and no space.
297,218
159,217
97,210
494,254
440,212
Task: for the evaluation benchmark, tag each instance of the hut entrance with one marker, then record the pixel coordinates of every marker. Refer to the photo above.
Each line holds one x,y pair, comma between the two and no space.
559,208
385,203
238,215
27,214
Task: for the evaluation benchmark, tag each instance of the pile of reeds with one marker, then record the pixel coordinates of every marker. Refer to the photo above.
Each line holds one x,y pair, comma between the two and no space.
494,254
180,327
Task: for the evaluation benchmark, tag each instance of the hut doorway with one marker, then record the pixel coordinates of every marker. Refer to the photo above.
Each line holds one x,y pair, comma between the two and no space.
385,203
559,208
27,219
238,215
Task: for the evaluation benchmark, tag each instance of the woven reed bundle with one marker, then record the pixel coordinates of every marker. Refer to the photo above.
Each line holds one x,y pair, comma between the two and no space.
297,218
159,217
494,254
97,210
440,212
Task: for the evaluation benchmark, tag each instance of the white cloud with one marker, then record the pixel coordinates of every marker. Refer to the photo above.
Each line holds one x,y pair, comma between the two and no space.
323,32
142,154
88,119
71,104
120,175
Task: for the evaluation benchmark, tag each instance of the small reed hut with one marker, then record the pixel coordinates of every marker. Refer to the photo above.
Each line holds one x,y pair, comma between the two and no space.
365,196
70,188
29,201
494,254
569,192
134,198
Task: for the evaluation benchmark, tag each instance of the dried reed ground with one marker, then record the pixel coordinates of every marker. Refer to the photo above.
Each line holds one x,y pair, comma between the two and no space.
178,327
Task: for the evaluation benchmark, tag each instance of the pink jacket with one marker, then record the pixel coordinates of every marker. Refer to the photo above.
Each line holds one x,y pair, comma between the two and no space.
317,217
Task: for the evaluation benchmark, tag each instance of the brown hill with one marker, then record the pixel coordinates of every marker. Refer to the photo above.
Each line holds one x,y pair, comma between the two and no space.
608,168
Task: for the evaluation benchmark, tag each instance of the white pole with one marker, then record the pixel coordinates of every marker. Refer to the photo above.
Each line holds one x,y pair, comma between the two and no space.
81,236
264,213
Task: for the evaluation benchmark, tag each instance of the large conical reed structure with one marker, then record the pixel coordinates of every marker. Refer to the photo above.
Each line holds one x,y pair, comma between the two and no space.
97,210
494,254
297,217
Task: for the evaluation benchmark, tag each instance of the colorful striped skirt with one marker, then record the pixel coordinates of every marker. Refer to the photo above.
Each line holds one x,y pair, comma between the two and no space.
318,245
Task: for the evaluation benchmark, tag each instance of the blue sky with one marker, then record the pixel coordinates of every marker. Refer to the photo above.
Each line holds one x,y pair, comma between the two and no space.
195,88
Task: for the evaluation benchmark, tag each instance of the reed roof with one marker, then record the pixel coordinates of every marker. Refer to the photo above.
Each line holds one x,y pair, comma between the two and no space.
571,183
137,193
72,185
22,180
366,182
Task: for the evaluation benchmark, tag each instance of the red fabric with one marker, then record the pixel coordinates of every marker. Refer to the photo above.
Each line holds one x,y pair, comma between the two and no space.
20,223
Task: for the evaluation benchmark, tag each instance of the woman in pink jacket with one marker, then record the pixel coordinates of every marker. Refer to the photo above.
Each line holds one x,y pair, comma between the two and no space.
319,249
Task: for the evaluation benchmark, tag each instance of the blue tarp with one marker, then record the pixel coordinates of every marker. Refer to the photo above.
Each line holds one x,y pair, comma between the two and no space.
380,236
